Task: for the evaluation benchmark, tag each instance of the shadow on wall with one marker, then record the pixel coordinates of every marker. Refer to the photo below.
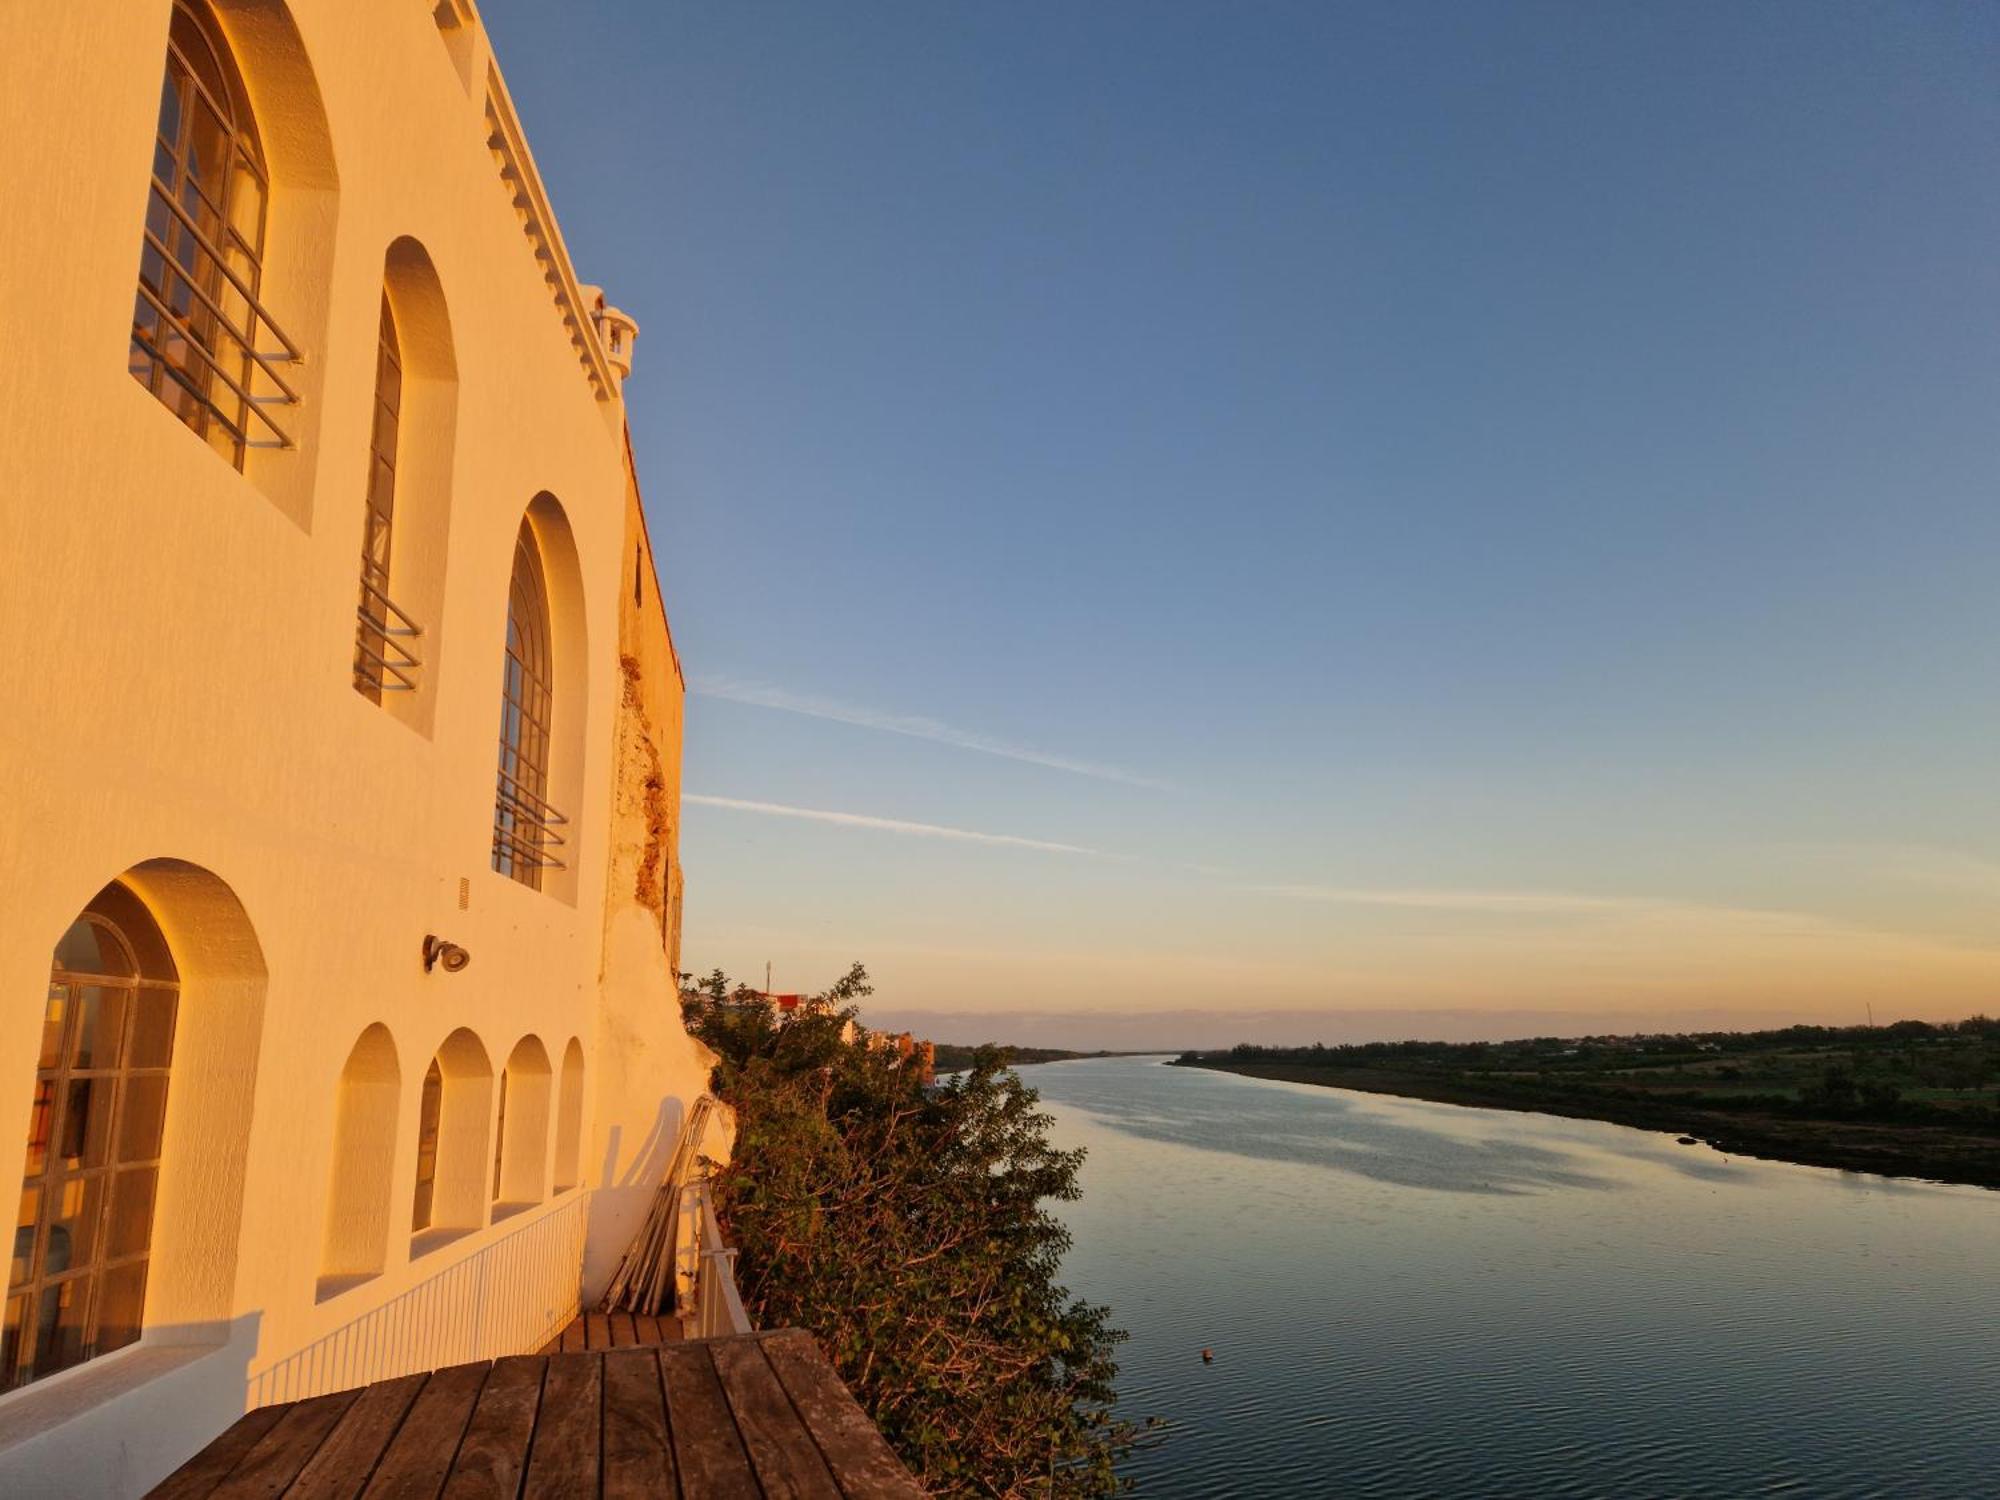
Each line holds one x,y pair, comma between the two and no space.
118,1425
509,1297
655,1154
648,1071
619,1206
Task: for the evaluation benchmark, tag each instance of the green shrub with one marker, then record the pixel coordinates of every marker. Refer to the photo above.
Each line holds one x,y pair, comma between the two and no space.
905,1227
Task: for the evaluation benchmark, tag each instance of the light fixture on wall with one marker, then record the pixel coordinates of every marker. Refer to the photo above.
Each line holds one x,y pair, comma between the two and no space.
438,951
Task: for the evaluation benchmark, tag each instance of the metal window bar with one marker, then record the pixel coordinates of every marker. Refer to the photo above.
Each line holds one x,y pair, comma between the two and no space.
523,820
164,339
524,827
382,660
219,258
163,362
252,403
177,271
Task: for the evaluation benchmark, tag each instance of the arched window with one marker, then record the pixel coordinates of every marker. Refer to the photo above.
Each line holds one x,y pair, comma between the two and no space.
569,1118
199,330
452,1160
364,1157
525,835
84,1232
384,660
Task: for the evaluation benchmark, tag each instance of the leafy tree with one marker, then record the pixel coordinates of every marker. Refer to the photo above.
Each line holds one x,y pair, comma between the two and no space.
905,1226
1836,1090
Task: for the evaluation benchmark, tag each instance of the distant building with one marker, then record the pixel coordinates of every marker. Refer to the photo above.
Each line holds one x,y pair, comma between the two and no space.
343,763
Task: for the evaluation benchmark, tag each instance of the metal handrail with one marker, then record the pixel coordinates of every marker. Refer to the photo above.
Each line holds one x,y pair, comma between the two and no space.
374,590
244,341
389,665
532,802
220,257
529,808
218,326
181,378
251,403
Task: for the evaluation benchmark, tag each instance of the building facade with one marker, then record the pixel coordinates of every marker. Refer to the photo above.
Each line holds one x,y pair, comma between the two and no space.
339,1036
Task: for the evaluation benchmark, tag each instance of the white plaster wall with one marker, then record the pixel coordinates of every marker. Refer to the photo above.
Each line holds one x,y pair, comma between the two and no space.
649,1075
177,683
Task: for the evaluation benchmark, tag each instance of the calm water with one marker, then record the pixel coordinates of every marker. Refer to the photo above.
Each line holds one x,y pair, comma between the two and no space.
1413,1299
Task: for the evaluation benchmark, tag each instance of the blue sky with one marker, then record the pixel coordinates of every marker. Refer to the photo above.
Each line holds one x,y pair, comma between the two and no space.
1445,513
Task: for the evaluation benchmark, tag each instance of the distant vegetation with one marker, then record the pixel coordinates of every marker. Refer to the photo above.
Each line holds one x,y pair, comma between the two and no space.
1912,1098
905,1226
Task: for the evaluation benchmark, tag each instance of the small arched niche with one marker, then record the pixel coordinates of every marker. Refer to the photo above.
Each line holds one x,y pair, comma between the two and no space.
569,1118
406,508
521,1150
368,1097
454,1108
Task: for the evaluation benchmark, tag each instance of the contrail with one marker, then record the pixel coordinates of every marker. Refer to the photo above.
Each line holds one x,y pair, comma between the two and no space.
911,726
891,825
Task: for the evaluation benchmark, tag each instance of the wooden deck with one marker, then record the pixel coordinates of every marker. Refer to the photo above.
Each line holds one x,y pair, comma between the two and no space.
598,1331
758,1415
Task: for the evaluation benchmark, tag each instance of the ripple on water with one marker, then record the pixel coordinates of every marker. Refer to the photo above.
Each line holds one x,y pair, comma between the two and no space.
1407,1299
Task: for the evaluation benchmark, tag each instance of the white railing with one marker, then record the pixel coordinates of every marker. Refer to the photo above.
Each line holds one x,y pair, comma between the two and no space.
711,1306
510,1296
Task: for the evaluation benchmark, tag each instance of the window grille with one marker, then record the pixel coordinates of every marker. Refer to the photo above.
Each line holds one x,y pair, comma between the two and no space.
526,829
83,1233
384,659
198,322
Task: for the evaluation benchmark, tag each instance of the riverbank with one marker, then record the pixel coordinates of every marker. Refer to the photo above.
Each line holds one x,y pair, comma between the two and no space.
1940,1153
954,1057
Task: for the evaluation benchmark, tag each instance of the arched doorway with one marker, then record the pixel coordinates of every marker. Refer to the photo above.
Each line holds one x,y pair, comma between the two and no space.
83,1235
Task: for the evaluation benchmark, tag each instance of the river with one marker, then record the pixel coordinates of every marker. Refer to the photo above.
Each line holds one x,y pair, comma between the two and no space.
1415,1299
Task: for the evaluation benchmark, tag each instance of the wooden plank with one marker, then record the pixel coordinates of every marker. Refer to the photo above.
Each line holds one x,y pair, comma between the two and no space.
646,1328
623,1334
420,1454
569,1432
343,1462
572,1336
863,1463
638,1452
208,1468
783,1453
275,1462
494,1451
596,1331
707,1453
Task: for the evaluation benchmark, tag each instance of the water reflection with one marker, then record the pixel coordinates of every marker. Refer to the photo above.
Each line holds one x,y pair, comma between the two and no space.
1410,1299
1304,1123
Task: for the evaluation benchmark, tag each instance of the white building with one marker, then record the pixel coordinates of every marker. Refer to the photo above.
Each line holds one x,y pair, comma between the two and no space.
318,504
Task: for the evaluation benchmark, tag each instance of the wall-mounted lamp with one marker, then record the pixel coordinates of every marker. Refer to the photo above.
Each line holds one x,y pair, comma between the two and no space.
438,951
